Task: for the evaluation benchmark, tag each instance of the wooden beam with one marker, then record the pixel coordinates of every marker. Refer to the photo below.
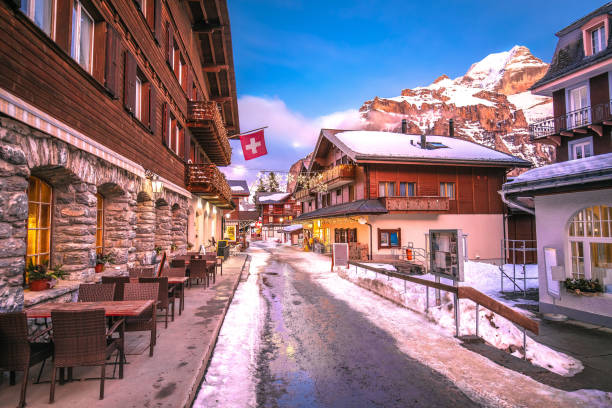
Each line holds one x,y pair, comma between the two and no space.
583,131
214,68
566,133
597,129
222,99
607,122
203,27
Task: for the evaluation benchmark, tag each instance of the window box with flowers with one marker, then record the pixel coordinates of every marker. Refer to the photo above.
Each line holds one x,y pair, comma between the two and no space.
41,276
584,287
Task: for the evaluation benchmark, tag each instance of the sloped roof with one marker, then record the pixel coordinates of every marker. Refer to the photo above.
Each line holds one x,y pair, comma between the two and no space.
352,208
270,198
573,172
239,187
362,145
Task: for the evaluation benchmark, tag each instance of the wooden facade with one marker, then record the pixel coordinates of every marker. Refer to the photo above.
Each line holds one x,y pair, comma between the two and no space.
129,45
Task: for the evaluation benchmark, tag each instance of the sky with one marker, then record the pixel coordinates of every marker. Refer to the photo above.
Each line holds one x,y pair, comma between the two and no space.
306,64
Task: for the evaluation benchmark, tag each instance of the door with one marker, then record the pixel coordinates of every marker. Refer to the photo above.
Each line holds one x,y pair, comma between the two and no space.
579,112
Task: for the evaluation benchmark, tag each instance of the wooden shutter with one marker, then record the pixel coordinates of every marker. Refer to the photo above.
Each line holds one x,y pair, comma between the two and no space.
129,92
99,51
170,44
181,143
63,24
189,85
158,21
153,110
164,131
111,65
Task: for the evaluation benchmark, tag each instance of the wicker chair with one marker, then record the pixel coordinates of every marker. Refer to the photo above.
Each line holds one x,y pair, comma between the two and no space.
177,263
17,352
212,259
119,281
165,298
81,339
96,292
199,270
141,272
147,319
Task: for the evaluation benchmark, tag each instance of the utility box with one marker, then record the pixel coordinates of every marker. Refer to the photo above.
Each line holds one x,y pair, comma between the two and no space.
447,253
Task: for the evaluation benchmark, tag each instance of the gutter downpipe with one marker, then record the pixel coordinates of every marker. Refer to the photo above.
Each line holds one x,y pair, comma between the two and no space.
370,225
514,204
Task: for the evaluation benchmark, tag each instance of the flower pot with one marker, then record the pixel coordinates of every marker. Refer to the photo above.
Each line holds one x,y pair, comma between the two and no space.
99,268
579,292
38,285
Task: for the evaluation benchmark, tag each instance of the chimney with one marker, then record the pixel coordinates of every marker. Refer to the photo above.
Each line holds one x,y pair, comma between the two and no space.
451,128
423,141
404,126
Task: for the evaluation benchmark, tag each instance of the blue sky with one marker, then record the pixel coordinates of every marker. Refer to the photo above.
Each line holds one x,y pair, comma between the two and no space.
299,60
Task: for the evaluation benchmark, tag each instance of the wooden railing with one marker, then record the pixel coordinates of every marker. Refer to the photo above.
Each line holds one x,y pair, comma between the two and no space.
302,194
464,292
201,113
416,203
206,178
339,172
590,115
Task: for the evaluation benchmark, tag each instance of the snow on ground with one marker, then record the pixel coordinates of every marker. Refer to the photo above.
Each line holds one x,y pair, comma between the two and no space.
481,379
229,381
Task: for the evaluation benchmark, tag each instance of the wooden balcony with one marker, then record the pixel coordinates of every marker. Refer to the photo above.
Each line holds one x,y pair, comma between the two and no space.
207,126
574,123
205,180
303,195
418,203
338,175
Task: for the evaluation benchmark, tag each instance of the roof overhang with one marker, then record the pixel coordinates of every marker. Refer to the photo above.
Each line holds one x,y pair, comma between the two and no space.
573,77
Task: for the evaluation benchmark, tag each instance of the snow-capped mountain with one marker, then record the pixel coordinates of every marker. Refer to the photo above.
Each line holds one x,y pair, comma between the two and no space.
490,105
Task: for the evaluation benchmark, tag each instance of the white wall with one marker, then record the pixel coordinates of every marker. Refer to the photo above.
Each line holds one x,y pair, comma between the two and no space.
204,222
552,215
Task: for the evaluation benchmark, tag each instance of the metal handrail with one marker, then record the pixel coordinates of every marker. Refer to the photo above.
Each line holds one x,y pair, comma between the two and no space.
571,120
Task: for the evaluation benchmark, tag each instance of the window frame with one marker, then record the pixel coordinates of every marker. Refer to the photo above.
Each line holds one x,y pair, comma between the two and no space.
387,185
572,144
75,50
444,192
600,31
31,14
397,231
99,227
36,255
581,218
571,122
408,185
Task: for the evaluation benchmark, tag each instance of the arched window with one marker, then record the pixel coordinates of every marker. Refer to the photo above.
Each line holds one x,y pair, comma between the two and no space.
100,225
590,240
39,222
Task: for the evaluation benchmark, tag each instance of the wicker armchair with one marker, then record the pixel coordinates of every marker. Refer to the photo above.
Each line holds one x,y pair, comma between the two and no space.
119,281
147,319
141,272
212,259
96,292
199,270
165,298
81,339
17,353
177,262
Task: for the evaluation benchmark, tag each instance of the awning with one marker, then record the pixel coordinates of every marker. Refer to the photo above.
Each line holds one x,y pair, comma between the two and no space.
292,228
360,207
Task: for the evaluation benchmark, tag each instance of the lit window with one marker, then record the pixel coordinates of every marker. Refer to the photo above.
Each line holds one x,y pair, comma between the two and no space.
41,12
598,38
590,241
580,149
100,225
39,221
138,105
447,190
271,219
82,36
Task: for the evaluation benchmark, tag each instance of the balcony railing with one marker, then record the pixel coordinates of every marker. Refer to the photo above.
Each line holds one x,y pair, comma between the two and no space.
579,118
417,203
207,181
302,194
338,175
206,124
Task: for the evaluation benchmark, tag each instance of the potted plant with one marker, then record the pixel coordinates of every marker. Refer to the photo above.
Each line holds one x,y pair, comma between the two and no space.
189,246
40,275
585,287
102,260
173,247
158,250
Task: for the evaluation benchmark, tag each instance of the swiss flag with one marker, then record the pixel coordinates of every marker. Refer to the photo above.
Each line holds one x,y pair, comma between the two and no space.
253,145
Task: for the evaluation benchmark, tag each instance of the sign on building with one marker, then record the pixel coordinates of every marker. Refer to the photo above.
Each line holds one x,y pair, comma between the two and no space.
447,253
230,233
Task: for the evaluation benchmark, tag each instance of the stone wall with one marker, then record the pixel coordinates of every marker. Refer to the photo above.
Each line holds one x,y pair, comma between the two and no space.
130,221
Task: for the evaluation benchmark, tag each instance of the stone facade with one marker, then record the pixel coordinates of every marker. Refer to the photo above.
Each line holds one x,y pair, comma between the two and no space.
133,225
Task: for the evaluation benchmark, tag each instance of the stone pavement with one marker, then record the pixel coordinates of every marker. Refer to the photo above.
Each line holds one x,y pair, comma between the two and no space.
170,378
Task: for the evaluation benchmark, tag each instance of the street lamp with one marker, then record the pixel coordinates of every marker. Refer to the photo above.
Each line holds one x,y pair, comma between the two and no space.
156,184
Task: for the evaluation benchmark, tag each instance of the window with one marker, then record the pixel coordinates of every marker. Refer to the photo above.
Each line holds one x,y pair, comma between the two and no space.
581,148
100,225
389,238
386,189
407,189
270,207
82,36
598,39
271,219
138,106
345,235
287,206
578,107
447,190
39,221
590,243
41,12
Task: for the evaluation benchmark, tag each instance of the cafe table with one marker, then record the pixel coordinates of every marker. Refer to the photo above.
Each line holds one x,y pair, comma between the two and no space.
114,308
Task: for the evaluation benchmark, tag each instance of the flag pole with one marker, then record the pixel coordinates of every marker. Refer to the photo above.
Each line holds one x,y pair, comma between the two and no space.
246,133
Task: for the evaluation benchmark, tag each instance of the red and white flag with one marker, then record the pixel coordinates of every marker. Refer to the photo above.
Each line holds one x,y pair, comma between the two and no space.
253,145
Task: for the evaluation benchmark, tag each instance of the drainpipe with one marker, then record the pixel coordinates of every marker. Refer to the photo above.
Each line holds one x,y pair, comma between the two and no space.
370,225
514,204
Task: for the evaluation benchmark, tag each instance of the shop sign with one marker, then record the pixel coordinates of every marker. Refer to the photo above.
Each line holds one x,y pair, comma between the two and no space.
230,232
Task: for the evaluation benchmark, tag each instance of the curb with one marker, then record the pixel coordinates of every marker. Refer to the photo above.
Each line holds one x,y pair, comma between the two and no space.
193,392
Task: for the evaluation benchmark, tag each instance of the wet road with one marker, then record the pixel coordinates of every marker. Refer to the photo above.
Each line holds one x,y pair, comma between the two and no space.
317,351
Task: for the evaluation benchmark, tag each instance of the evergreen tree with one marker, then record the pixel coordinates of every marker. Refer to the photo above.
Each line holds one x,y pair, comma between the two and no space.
261,187
273,185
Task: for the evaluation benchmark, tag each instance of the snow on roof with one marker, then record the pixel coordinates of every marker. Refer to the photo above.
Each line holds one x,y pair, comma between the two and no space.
387,145
568,169
294,227
239,186
270,198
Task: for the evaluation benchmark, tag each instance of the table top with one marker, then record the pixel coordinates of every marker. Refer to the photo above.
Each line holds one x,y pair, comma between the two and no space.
177,279
111,308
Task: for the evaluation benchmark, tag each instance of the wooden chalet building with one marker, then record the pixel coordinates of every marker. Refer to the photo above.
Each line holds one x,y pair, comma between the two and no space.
572,199
382,192
277,210
243,217
103,103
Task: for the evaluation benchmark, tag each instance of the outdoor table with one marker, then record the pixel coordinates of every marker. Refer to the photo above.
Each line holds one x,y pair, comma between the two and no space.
180,282
114,308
